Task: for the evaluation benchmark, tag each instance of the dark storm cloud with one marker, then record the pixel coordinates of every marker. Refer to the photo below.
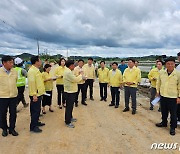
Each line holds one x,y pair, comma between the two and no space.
117,25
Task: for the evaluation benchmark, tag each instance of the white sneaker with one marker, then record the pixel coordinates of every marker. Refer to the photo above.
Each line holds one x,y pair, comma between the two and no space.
178,123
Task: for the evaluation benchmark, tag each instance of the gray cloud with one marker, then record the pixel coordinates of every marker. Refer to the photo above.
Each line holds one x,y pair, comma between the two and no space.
91,27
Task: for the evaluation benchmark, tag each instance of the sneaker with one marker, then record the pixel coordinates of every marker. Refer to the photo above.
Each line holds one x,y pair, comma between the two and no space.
105,100
101,99
70,125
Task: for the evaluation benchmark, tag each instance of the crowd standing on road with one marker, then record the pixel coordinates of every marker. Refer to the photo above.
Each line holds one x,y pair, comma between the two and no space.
73,80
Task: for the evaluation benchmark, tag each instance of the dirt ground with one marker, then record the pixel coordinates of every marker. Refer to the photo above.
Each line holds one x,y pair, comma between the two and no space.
99,129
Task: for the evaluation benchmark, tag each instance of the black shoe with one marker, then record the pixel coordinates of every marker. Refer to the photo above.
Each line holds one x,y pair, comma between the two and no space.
4,133
60,107
13,132
126,109
105,100
36,130
172,131
116,106
161,125
133,111
111,104
101,99
84,103
40,124
92,99
76,104
159,110
151,108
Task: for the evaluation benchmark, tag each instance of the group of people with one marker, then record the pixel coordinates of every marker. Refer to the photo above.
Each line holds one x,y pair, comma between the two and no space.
72,80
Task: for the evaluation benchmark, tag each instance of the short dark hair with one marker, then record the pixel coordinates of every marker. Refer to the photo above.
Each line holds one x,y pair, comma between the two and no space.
34,59
160,61
137,61
90,58
170,59
130,59
46,66
178,54
80,60
122,61
69,63
102,61
61,60
115,63
6,59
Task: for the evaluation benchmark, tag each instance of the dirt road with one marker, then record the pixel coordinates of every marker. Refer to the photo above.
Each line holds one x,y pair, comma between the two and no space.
100,129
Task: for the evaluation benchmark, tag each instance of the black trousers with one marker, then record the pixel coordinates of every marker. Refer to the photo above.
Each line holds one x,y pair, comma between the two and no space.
103,90
178,112
169,105
115,94
60,90
20,96
70,99
81,87
89,82
5,104
35,110
130,92
47,100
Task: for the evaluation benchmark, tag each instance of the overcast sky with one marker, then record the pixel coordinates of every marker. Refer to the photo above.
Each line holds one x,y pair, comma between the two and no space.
105,28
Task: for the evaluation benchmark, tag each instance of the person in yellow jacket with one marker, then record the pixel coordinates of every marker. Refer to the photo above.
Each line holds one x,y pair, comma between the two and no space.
59,73
8,96
153,76
21,82
103,74
90,74
115,83
81,84
168,87
36,90
70,91
131,77
48,82
137,64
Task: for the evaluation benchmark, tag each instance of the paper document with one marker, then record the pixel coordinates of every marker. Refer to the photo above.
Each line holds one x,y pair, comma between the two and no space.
156,100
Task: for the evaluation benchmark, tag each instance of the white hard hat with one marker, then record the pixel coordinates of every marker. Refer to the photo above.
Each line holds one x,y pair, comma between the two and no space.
18,61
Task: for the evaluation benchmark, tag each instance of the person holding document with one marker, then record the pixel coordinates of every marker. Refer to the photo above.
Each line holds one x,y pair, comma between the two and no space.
168,87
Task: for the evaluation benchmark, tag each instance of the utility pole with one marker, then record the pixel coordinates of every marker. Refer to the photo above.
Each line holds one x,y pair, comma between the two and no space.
38,46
